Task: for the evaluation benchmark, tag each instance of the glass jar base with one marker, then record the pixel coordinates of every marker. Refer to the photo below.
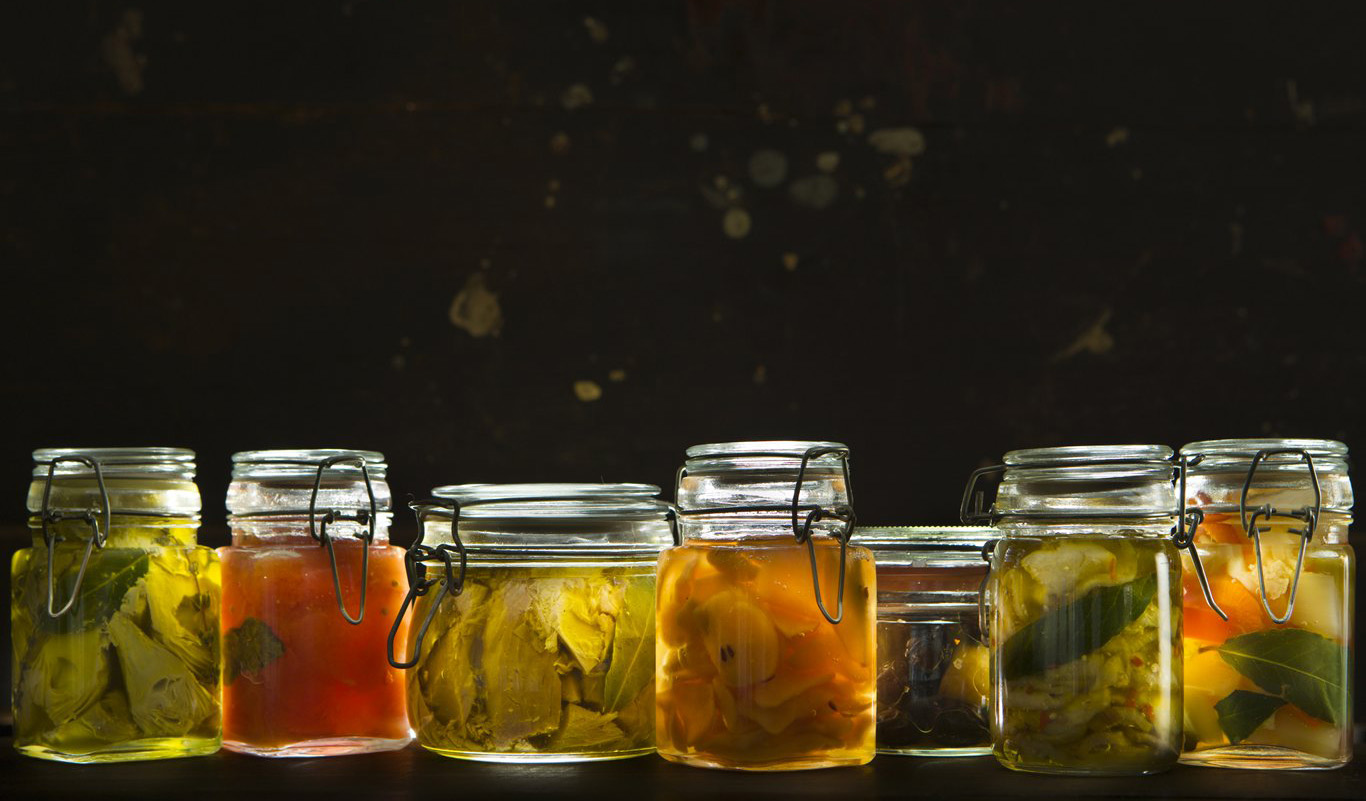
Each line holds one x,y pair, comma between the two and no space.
1087,770
130,751
804,763
931,751
1260,757
333,746
536,758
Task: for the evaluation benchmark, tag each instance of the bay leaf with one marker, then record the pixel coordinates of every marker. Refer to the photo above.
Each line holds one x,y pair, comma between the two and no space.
249,648
112,572
1077,628
1243,711
633,647
1304,668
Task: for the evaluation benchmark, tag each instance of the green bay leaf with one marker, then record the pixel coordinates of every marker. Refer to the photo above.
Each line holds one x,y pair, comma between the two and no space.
1306,669
633,647
1077,628
111,573
1243,711
249,648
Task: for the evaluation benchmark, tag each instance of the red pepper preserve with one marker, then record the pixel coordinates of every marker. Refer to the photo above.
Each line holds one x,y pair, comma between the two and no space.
310,589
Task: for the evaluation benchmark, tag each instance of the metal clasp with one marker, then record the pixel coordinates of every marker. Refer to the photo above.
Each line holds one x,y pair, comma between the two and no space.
1187,522
418,582
972,510
97,535
319,532
1309,515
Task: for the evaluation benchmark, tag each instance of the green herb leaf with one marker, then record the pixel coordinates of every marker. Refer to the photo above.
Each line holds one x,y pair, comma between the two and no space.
1243,711
1075,629
111,574
1304,668
249,648
633,647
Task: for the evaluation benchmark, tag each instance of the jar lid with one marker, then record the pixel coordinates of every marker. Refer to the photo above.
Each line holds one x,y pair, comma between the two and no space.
148,481
1088,481
724,476
515,517
1220,455
929,546
281,483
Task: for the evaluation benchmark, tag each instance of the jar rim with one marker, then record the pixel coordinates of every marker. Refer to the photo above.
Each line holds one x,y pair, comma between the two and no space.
772,448
303,463
1081,455
154,461
555,501
1226,454
959,539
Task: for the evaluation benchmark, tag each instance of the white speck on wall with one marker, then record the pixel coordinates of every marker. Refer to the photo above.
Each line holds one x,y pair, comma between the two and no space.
597,31
118,54
767,168
814,191
829,161
698,142
1117,137
736,223
1095,340
587,391
576,96
559,143
617,376
476,309
790,261
898,141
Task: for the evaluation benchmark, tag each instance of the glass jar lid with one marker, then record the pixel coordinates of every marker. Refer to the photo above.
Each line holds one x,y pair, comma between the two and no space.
1082,482
288,483
927,546
1222,477
570,518
724,476
122,481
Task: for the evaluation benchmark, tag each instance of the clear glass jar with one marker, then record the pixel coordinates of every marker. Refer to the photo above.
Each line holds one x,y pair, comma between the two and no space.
115,610
304,674
1269,675
934,677
766,615
1085,621
537,614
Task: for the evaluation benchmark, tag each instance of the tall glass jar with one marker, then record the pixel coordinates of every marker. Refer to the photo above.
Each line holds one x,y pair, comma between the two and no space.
933,678
1269,657
766,657
310,589
1085,620
533,621
115,610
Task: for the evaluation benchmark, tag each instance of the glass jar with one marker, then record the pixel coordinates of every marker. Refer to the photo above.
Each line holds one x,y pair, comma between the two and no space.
766,614
115,610
303,675
1085,620
1268,660
536,604
933,677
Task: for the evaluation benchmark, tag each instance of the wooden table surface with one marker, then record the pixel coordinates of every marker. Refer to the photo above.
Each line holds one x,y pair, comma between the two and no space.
414,773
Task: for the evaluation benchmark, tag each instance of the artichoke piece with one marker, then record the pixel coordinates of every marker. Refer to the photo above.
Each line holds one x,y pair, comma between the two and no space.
68,675
108,721
521,684
165,697
184,615
584,729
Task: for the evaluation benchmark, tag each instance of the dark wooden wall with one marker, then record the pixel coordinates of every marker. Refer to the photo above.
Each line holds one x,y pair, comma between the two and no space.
506,241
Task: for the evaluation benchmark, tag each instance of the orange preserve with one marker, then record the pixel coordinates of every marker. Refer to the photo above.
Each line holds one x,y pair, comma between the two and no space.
765,615
310,590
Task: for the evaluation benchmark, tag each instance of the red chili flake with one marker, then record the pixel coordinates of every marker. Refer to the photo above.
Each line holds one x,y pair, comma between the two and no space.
1148,711
1136,660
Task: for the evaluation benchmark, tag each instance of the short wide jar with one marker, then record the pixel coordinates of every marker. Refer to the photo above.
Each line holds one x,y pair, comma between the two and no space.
533,627
933,678
1085,621
1269,681
311,587
766,613
115,610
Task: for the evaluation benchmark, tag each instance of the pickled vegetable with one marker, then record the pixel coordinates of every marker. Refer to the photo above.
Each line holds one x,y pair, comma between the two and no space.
1258,692
298,679
539,664
934,684
1087,670
750,674
132,669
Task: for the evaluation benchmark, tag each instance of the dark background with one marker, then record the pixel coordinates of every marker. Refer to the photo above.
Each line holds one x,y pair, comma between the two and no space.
420,227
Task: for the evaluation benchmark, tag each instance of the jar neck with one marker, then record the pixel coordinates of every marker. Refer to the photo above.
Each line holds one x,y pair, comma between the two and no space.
293,532
1063,527
125,531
